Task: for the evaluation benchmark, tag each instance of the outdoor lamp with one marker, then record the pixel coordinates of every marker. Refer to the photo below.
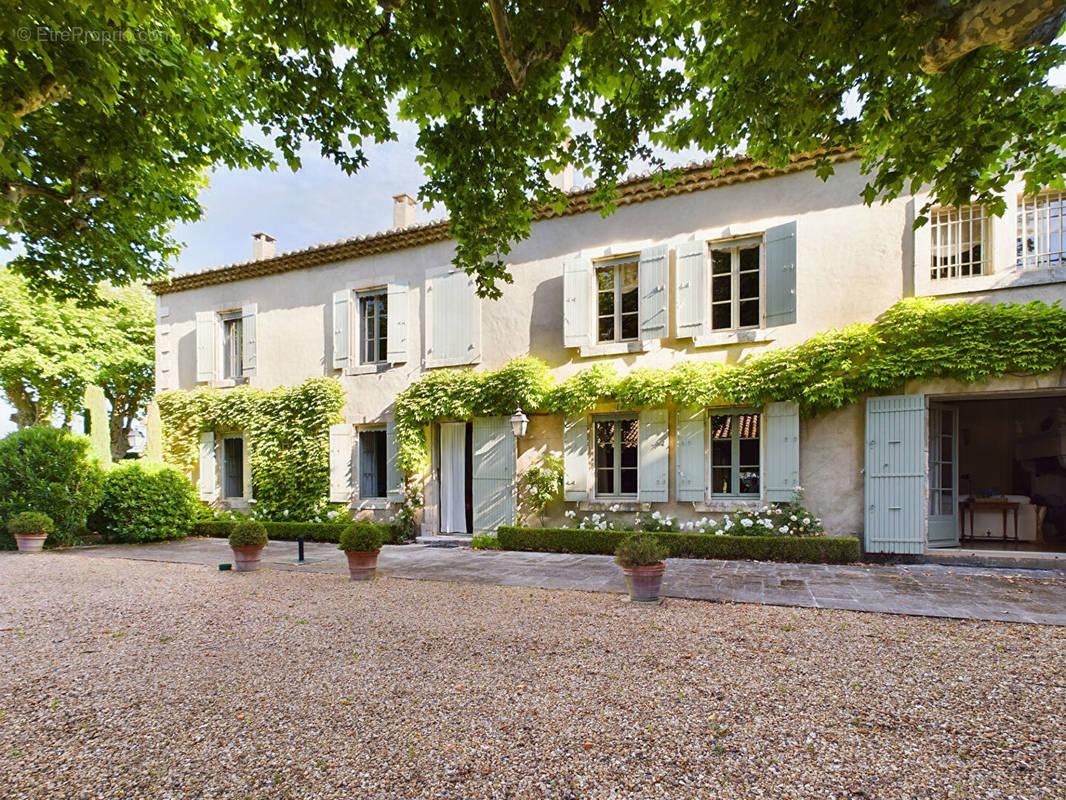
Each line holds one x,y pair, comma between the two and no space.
519,421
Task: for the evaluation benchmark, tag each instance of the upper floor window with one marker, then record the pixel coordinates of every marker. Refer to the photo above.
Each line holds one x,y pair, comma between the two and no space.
735,454
735,285
373,315
617,456
1041,244
617,301
232,345
958,244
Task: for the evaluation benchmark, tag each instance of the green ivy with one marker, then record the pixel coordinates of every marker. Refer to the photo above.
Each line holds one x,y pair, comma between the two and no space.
288,430
915,340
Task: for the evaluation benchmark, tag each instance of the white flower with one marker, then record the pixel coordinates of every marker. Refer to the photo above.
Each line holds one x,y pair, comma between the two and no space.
333,514
656,515
747,523
806,520
783,529
570,514
793,518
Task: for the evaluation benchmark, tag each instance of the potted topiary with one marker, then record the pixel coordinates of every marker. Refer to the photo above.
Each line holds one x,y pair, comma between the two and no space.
30,529
641,558
361,543
247,540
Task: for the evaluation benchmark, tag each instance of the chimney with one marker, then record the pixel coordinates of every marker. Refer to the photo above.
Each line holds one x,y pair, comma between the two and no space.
564,179
262,246
403,211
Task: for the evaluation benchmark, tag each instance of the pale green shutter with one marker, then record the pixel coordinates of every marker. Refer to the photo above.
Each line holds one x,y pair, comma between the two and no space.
577,278
781,274
342,332
691,455
575,458
340,463
394,477
654,456
396,326
654,278
691,297
206,323
781,437
208,478
494,473
895,474
454,337
248,339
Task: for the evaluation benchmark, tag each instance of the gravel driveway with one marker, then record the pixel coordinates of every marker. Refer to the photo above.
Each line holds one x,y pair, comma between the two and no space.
130,679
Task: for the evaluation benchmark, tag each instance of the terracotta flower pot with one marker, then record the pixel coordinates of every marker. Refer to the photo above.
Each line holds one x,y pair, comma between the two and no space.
361,564
30,543
644,583
247,558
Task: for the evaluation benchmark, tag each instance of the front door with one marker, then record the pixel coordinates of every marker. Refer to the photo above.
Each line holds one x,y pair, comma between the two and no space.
943,475
453,493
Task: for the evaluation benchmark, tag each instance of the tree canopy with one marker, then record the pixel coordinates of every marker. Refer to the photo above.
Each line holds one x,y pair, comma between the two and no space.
51,350
104,143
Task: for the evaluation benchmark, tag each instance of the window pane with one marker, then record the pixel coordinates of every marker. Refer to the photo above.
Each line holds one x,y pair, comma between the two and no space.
630,326
721,426
749,285
629,481
749,452
604,481
721,262
233,467
749,482
629,275
721,452
630,432
721,316
721,478
605,443
605,278
606,332
606,301
749,313
749,258
721,288
630,301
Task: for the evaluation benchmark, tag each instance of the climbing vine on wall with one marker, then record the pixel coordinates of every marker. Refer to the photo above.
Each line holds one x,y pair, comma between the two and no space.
915,340
288,432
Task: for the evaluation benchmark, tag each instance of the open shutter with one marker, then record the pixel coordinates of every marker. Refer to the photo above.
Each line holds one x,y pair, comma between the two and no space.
206,326
691,296
577,279
781,274
248,346
654,278
340,463
691,455
895,474
781,434
454,335
397,323
575,458
654,456
494,473
342,330
208,468
394,488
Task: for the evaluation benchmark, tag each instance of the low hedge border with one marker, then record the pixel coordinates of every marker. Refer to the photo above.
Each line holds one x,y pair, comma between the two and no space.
291,531
799,549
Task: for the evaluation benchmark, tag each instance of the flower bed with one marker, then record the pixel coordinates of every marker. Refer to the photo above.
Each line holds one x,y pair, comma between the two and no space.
817,549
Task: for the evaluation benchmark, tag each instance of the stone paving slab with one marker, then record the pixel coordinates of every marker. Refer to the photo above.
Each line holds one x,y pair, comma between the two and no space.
1008,595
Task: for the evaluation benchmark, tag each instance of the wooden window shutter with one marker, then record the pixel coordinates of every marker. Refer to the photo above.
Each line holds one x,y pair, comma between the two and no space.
654,281
780,243
654,456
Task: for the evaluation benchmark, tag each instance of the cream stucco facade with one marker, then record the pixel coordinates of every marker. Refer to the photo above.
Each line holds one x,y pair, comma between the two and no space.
851,262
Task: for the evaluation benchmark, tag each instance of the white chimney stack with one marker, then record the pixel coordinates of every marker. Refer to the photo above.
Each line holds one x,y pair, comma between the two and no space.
262,246
403,211
564,179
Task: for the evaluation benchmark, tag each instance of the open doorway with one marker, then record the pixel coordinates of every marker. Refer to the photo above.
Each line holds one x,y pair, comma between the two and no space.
456,478
997,473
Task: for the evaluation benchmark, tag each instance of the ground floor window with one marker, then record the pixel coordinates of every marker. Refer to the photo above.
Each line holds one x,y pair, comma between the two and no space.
617,440
233,466
735,457
372,463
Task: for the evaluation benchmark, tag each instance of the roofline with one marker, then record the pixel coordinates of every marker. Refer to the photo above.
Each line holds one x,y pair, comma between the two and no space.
694,178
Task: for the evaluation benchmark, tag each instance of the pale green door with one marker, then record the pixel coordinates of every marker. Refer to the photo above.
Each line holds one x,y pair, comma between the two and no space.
895,474
494,473
943,476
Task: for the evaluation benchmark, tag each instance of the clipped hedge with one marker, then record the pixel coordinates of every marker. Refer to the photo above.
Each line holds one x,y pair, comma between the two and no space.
291,531
816,549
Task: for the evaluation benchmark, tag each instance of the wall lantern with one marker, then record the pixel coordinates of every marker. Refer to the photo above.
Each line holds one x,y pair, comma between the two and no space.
519,422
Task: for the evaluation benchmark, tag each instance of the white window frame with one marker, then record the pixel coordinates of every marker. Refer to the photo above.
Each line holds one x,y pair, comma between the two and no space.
734,466
370,501
617,466
229,320
1030,216
246,470
734,246
381,322
615,263
946,225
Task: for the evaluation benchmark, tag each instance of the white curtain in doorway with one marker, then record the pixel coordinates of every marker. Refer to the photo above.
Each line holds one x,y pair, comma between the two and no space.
453,477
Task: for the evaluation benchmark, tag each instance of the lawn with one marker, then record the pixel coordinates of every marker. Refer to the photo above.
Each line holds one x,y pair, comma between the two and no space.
143,680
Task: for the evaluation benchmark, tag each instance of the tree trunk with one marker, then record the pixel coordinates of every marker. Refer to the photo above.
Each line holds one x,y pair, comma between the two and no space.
27,411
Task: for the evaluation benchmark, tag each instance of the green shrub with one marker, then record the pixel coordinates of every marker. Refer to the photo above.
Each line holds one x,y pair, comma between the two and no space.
291,531
248,534
30,523
814,549
485,542
639,550
51,471
144,503
360,537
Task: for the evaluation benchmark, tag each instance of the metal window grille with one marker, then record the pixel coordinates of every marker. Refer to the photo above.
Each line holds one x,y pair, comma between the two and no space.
1041,243
959,238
